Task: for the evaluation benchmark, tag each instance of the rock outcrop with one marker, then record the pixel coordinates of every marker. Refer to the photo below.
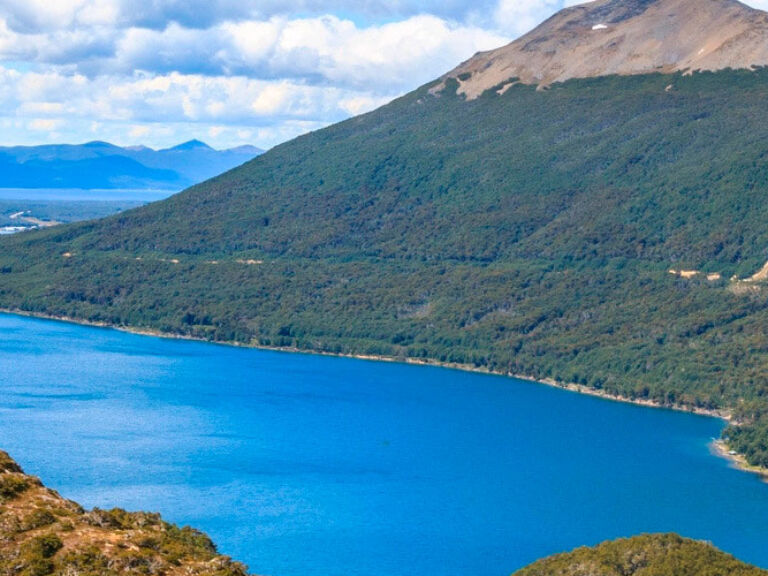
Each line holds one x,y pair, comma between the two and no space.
624,37
42,533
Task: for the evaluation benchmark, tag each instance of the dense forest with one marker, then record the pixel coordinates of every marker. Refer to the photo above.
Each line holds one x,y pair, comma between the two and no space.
646,555
602,232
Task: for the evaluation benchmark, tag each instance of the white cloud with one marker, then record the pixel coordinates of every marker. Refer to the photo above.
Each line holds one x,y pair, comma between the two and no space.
326,50
396,55
231,70
46,100
356,104
760,4
45,124
216,131
139,131
41,108
45,16
266,78
35,15
273,99
519,16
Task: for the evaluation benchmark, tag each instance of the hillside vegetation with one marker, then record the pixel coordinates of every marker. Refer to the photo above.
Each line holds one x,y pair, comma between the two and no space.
41,533
646,555
529,233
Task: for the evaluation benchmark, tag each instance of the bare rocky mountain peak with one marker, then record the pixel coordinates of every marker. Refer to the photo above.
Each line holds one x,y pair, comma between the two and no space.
624,37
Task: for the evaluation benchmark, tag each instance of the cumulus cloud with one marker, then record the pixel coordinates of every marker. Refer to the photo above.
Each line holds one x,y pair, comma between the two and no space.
31,16
325,50
519,16
219,66
269,110
173,98
231,71
45,16
46,124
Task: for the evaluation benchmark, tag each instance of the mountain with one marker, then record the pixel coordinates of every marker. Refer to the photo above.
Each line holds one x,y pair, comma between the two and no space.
624,37
41,533
195,161
646,555
190,145
103,165
607,232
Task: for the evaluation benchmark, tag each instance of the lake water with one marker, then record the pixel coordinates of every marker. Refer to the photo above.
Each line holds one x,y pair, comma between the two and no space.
301,465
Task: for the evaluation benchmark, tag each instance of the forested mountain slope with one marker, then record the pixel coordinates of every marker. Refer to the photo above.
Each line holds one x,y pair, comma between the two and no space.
531,232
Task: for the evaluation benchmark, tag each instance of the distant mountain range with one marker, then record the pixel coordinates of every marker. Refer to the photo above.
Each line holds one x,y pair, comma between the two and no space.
101,165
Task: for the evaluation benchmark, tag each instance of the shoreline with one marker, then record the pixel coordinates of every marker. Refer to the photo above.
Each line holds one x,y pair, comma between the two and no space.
737,461
718,447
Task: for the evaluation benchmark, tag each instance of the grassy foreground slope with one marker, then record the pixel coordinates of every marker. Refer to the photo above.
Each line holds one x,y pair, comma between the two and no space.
646,555
41,533
531,232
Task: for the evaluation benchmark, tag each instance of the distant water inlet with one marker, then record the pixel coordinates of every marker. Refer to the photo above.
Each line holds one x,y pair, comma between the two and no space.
75,194
301,464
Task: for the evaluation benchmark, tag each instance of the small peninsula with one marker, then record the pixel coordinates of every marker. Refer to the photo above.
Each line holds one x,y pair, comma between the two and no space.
42,533
645,555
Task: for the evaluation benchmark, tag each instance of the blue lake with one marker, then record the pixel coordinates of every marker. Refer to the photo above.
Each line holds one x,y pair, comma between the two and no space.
301,464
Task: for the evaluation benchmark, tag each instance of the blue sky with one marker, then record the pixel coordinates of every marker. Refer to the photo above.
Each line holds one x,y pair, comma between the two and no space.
230,72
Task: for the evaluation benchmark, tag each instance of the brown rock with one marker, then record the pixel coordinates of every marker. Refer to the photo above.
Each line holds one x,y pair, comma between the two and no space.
624,37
